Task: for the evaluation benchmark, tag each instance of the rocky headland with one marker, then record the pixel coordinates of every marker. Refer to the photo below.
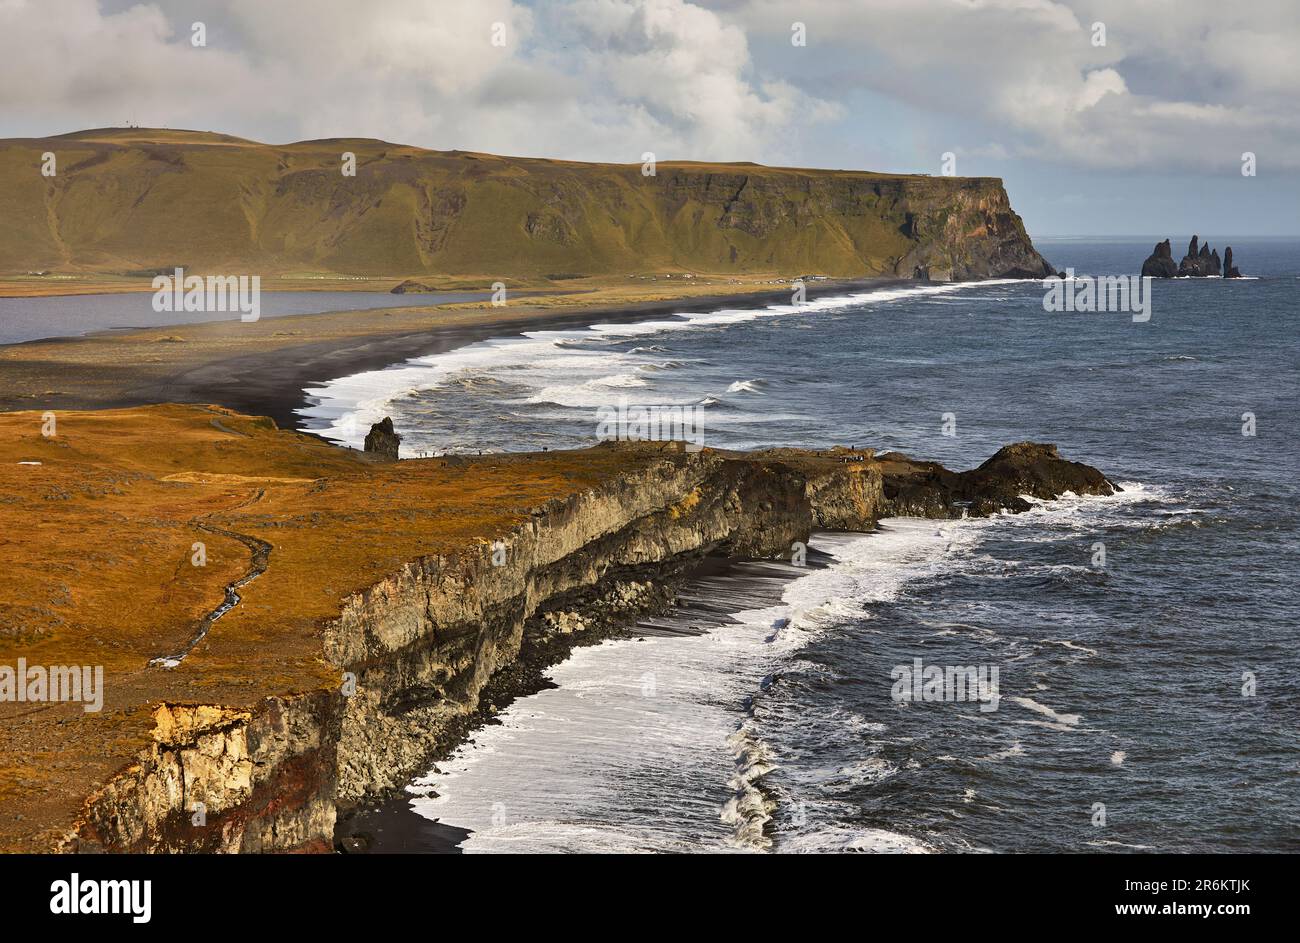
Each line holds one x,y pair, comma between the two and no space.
390,595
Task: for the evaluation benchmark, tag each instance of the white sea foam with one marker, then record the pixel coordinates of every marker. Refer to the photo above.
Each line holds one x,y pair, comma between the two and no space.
1104,843
846,838
1073,646
1016,749
646,744
859,724
1087,513
566,367
1062,721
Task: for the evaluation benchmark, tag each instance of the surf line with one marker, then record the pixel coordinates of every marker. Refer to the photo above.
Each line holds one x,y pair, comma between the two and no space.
341,409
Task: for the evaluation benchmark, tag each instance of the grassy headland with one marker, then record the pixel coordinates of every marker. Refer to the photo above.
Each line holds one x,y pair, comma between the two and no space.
126,203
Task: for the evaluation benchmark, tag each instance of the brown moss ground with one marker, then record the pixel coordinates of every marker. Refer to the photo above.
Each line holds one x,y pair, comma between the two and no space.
95,547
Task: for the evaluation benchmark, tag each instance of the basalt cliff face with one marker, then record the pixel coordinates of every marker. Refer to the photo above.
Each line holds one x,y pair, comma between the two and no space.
139,201
417,648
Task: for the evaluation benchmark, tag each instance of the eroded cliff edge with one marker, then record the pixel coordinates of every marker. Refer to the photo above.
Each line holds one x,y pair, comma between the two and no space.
404,659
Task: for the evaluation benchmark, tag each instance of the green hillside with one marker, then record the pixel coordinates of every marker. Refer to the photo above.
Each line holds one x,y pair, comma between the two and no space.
136,200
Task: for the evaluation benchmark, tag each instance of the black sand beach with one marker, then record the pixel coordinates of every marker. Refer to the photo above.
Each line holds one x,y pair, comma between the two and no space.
704,597
263,368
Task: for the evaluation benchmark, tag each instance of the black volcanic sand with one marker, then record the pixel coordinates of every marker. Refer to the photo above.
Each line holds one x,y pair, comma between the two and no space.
108,370
705,596
272,384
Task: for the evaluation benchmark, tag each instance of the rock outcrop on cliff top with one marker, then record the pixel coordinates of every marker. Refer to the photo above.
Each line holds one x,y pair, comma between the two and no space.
927,489
382,439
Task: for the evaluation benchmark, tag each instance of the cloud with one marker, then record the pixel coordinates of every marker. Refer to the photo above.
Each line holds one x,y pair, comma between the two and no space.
687,71
583,79
71,59
1187,85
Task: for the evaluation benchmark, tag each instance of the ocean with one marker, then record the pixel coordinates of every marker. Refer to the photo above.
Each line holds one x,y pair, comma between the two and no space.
1145,644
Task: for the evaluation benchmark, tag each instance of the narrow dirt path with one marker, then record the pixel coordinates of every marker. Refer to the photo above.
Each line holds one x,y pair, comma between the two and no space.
260,552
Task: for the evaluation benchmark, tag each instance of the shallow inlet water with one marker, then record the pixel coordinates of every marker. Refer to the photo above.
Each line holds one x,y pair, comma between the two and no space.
28,319
1121,685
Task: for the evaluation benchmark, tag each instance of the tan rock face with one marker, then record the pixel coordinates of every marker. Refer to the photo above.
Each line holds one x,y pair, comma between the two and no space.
438,630
423,642
221,780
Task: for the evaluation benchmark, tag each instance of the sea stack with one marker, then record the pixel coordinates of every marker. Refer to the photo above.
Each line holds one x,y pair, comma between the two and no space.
383,439
1160,264
1199,262
1229,270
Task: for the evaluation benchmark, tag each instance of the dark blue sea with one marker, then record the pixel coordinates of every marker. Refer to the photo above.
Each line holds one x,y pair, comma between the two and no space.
1149,701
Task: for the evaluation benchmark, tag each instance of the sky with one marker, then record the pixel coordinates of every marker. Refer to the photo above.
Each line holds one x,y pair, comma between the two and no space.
1103,117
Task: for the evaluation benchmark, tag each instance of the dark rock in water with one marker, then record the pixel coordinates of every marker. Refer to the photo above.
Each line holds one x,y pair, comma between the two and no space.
1160,264
927,489
1031,468
1229,270
357,844
1199,261
382,439
1191,263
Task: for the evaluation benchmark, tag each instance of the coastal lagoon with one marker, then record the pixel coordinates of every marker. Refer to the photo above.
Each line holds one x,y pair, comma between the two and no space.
28,319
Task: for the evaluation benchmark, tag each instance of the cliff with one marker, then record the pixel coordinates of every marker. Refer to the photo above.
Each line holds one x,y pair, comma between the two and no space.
139,201
392,593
